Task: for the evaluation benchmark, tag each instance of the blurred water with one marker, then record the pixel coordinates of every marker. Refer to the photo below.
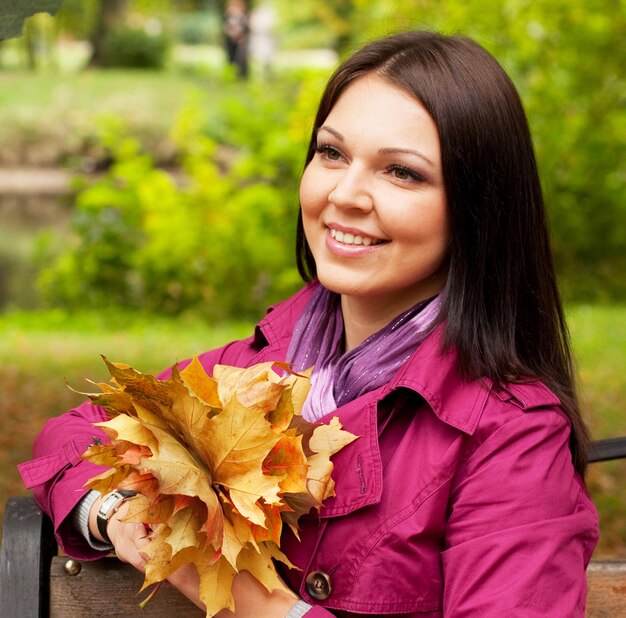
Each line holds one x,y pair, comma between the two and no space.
33,203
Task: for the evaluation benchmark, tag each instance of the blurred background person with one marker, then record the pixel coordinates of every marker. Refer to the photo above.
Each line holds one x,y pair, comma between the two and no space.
262,37
236,34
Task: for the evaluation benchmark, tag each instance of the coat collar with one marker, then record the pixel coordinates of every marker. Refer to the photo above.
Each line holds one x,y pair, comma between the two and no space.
430,371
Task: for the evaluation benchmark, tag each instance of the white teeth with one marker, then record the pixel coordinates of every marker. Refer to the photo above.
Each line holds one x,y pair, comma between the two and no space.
350,239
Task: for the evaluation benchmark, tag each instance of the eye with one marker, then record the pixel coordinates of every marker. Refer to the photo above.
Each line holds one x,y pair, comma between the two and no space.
328,152
405,174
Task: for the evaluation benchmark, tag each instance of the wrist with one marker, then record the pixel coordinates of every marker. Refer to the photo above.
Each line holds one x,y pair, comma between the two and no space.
103,510
299,610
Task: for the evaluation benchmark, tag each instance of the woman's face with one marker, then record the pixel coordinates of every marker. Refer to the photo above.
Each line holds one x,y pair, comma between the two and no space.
373,201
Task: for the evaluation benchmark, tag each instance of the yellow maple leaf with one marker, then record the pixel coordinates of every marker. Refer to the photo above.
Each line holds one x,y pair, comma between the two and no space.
216,581
142,510
325,442
237,442
201,385
255,387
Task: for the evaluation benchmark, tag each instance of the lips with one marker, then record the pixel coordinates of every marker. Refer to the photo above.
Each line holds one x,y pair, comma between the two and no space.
348,238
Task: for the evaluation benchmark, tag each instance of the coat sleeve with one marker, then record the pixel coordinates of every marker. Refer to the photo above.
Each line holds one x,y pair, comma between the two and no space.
57,475
318,612
521,526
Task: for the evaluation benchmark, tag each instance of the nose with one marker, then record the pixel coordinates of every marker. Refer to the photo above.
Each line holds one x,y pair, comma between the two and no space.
352,191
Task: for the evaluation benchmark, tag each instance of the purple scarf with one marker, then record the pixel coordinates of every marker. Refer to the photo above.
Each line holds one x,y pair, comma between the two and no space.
338,378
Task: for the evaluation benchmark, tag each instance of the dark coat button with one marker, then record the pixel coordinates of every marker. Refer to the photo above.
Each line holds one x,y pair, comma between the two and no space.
318,585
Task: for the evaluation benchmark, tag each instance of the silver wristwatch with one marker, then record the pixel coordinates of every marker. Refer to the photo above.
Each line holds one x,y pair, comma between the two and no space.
109,505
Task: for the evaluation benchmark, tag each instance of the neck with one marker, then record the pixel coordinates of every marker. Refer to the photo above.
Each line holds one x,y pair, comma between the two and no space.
363,317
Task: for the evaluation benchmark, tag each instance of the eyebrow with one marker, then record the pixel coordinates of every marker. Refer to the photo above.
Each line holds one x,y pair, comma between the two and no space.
417,153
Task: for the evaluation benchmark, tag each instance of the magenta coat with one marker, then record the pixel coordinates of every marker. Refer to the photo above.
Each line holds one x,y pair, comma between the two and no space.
458,499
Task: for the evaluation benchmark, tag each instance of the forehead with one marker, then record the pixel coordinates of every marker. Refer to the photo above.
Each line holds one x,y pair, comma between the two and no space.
373,109
378,89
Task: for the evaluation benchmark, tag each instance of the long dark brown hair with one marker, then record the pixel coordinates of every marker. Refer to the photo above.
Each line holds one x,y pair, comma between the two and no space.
501,305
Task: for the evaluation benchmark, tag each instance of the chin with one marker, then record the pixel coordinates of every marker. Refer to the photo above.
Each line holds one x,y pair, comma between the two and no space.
338,284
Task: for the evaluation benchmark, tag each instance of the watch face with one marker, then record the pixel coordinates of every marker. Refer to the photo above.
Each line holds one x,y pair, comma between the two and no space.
106,508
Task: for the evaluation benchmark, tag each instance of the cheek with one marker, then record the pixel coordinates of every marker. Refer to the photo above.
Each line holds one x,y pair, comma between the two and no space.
313,194
305,189
308,207
440,229
444,227
429,227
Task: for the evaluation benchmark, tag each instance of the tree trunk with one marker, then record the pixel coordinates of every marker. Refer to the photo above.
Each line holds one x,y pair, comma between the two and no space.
110,15
29,45
346,11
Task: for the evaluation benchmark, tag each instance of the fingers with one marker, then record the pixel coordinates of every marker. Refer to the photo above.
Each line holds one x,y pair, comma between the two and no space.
250,595
128,539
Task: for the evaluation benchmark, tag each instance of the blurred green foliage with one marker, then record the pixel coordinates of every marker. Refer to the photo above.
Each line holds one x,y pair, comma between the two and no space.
220,239
135,48
76,17
198,28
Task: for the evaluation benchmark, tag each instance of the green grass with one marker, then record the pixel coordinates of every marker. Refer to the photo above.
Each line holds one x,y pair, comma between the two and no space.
39,351
137,96
58,340
599,337
54,118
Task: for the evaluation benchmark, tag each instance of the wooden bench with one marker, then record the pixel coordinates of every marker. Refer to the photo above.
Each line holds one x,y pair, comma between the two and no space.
35,582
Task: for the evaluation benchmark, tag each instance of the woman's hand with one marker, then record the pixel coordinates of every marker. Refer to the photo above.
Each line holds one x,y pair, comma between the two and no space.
250,596
128,539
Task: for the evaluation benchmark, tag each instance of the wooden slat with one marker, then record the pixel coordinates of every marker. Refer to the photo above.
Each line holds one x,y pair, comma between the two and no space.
27,547
109,588
606,580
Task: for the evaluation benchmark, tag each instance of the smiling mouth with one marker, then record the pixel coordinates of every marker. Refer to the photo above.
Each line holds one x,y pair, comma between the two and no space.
346,238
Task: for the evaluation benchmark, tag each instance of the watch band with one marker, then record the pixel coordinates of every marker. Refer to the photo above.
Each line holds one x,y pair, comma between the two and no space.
299,610
109,505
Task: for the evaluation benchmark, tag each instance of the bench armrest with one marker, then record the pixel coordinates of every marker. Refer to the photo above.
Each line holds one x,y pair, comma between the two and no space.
28,546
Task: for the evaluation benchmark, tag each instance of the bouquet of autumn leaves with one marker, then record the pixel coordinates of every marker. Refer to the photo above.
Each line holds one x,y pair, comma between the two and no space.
220,464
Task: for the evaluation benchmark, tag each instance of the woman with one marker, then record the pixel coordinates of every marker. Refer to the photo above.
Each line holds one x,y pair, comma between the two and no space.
433,321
